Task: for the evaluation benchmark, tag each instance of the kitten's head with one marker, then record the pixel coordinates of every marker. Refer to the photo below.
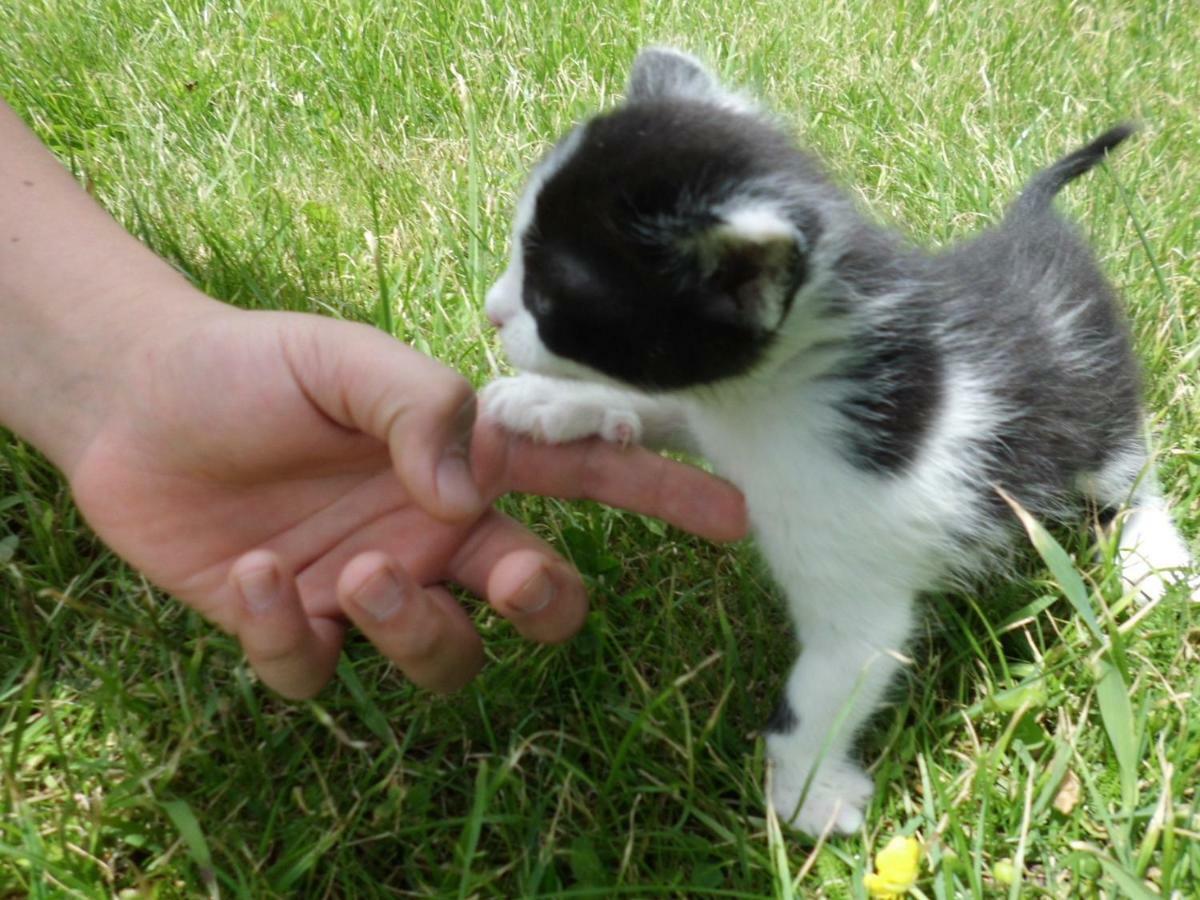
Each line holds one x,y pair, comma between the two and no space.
662,244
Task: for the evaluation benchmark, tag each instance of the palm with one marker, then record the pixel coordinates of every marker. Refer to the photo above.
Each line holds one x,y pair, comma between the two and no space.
223,453
296,448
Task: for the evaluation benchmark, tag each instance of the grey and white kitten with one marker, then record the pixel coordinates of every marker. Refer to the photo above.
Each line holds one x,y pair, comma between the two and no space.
681,275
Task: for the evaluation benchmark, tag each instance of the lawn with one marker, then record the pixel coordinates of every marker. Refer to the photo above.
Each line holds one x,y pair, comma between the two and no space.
360,159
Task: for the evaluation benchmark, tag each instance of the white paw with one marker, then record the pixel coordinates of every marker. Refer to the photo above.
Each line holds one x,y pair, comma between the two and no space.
836,800
557,411
1152,583
1153,557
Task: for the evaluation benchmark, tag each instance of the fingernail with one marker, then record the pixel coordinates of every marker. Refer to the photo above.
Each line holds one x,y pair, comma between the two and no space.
535,595
381,596
455,484
260,588
456,487
464,422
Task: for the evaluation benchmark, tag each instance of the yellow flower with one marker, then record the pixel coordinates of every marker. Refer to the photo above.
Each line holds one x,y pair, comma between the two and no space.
896,869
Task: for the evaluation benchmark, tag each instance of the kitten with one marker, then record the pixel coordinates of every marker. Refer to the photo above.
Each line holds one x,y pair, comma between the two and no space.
682,276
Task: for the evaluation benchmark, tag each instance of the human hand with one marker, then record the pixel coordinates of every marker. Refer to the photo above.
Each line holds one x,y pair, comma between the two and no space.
283,473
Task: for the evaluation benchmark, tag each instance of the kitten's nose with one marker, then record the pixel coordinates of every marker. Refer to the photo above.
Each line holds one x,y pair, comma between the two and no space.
496,305
492,305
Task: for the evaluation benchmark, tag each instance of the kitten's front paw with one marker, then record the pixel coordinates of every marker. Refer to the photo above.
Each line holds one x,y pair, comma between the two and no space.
838,794
556,412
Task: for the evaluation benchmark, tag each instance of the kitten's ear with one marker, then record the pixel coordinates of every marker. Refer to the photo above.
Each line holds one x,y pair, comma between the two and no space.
753,260
662,72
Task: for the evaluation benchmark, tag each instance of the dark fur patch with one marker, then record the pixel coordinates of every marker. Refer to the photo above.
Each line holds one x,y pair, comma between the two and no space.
898,379
783,718
605,279
1030,305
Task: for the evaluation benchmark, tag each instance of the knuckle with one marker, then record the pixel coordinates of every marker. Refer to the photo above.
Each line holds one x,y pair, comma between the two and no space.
272,653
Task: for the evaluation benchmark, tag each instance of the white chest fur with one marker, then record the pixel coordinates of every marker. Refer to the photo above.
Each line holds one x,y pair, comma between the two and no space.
818,518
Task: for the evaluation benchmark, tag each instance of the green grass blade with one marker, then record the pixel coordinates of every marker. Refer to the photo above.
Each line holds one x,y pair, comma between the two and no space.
1130,885
188,826
1060,565
1112,694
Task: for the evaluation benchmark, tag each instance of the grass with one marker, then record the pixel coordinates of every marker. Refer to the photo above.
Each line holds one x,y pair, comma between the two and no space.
360,159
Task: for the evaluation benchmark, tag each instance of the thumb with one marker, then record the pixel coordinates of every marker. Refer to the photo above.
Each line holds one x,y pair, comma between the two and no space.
364,379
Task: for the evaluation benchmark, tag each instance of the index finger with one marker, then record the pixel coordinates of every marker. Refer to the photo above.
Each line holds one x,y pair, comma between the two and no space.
631,478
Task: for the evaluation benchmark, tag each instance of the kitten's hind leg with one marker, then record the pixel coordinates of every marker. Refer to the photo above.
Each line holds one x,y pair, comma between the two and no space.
852,641
558,410
1150,549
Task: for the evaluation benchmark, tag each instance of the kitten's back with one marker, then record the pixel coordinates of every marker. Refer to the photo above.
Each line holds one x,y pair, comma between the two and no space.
1028,307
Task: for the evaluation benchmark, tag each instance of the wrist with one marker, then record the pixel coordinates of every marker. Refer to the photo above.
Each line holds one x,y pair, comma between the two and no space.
77,293
69,366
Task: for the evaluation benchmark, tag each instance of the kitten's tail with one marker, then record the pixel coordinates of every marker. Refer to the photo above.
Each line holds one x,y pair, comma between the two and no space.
1045,184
